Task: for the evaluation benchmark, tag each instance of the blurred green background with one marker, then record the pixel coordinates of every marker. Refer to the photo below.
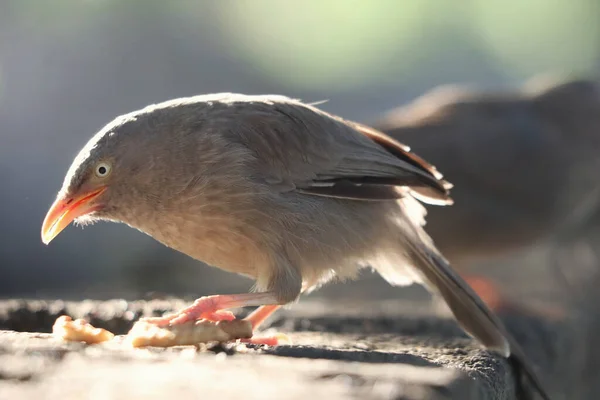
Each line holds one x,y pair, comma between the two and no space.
68,67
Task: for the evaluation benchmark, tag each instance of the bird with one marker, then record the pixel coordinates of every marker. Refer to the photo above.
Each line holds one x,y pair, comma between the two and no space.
523,163
277,190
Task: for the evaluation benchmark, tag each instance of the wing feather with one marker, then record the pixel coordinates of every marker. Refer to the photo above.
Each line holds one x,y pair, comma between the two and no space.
302,148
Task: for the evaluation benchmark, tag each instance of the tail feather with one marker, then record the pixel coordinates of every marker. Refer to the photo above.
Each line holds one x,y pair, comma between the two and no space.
468,309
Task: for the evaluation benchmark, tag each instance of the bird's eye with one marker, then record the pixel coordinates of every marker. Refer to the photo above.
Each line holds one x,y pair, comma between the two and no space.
102,170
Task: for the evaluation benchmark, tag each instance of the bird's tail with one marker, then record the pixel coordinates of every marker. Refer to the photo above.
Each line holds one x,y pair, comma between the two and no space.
468,309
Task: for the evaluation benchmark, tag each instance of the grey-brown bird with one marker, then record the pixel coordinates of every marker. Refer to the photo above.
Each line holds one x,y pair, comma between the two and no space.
274,189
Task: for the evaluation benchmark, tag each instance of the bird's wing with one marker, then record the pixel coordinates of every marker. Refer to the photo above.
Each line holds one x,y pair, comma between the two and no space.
436,194
304,149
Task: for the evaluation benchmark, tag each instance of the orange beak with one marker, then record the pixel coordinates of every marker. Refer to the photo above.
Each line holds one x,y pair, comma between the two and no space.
64,211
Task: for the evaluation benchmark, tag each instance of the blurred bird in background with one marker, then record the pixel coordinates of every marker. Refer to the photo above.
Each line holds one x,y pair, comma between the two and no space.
525,168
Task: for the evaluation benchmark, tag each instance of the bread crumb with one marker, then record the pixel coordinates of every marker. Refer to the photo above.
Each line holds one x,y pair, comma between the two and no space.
79,331
191,333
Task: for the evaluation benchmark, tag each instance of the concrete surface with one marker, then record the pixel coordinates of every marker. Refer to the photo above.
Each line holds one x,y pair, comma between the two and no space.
379,350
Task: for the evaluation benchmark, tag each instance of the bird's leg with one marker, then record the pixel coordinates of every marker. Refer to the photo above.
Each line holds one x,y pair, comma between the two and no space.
258,316
211,308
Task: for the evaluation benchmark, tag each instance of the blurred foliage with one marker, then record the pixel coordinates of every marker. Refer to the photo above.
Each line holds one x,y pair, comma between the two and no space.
345,43
533,35
331,42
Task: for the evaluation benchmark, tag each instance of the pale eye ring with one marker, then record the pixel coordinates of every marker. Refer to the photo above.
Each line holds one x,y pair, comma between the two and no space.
102,169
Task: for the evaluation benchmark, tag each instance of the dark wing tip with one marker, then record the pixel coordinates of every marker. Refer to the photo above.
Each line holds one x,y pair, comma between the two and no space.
400,150
434,190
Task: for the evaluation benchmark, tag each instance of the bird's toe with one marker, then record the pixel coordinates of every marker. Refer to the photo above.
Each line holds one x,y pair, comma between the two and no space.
274,340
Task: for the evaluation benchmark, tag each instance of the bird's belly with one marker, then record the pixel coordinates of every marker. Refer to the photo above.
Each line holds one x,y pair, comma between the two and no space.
218,247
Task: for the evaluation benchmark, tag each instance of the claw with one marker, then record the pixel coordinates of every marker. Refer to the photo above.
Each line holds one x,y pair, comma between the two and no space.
274,340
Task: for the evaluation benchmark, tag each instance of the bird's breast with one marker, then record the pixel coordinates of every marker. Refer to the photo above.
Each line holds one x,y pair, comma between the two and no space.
218,241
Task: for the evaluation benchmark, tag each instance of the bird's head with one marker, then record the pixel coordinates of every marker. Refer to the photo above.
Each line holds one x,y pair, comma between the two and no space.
123,172
149,163
93,186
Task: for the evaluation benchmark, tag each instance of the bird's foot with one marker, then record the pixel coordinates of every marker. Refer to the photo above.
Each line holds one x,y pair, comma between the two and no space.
203,308
274,340
257,318
212,308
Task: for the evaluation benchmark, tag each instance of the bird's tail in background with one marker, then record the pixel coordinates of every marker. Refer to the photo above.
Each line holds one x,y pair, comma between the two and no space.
468,308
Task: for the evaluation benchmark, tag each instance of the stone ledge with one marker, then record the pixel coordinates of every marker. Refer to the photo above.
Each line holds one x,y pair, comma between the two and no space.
35,365
370,351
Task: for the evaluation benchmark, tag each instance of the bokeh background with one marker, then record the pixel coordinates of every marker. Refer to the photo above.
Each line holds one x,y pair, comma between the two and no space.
68,67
